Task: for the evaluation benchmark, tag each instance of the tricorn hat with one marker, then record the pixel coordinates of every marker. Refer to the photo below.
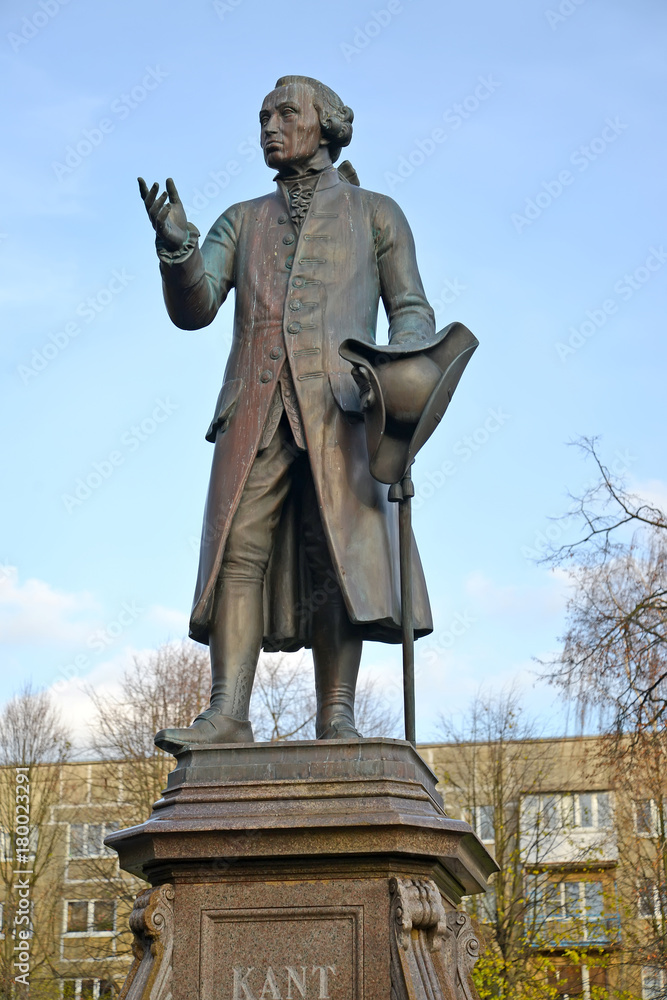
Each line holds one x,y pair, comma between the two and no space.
405,391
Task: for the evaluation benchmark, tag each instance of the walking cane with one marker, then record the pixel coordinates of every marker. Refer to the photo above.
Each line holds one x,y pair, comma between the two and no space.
402,494
404,392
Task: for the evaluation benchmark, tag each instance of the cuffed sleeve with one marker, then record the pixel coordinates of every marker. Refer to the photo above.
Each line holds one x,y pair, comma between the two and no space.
196,281
410,316
178,256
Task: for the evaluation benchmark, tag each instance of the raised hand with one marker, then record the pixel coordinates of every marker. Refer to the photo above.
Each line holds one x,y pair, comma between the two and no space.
167,217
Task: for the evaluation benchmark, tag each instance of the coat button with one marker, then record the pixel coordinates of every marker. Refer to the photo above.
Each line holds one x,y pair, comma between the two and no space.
297,282
288,240
282,219
266,376
295,305
294,328
275,353
289,262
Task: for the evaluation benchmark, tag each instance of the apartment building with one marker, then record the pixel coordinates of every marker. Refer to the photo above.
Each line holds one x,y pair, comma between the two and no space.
581,836
78,943
581,897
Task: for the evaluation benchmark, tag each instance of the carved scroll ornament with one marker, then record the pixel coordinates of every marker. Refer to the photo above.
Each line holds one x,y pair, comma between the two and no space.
152,924
432,951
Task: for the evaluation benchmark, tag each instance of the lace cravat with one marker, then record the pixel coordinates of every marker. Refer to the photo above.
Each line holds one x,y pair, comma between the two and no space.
300,192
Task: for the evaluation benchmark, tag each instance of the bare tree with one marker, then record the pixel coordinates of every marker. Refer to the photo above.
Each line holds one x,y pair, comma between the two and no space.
32,731
283,704
614,650
172,684
283,699
167,687
498,774
637,763
614,662
374,712
34,743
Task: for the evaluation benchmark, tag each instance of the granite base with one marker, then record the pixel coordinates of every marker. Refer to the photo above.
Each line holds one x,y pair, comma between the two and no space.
302,870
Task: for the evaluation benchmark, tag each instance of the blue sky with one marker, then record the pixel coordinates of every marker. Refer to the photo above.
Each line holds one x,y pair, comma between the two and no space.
525,143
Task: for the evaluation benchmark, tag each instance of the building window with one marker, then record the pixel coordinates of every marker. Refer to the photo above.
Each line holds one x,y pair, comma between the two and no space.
574,981
484,823
86,840
567,982
104,915
482,906
6,851
574,900
654,982
90,916
592,810
77,917
7,844
570,914
87,989
568,811
647,817
651,902
542,812
486,906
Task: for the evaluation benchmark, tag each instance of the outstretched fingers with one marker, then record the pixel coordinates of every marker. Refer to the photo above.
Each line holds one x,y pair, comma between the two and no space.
156,207
149,195
172,192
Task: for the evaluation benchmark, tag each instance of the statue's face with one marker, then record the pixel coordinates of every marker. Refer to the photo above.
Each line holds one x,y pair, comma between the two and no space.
290,126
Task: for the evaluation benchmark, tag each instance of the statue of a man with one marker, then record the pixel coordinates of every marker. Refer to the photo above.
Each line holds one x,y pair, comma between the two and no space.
299,544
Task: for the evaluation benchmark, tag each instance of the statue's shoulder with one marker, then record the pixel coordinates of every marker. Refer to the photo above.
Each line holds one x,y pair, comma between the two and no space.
380,206
374,199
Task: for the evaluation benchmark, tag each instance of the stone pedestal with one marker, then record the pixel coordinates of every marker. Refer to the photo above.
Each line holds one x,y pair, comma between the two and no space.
302,870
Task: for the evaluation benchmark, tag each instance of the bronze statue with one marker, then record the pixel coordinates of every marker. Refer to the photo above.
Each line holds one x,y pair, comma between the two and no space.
300,542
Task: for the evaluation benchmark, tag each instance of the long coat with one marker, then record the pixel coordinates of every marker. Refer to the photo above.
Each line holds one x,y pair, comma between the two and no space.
299,294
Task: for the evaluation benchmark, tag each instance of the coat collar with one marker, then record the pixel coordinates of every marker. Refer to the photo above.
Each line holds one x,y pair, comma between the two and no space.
328,178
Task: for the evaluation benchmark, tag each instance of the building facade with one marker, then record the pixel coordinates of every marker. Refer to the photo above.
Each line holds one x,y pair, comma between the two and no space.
74,932
578,827
580,904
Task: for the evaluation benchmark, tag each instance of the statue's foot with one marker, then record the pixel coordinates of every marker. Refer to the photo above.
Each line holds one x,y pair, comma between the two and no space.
209,727
339,729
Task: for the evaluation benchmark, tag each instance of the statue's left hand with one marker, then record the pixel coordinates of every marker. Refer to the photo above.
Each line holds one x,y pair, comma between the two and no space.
167,218
360,375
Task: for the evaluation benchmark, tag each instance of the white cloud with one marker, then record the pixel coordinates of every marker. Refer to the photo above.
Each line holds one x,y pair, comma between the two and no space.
35,612
71,696
449,688
175,623
546,600
70,693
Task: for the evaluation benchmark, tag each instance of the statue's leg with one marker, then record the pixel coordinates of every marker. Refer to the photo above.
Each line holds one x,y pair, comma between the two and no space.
235,636
336,643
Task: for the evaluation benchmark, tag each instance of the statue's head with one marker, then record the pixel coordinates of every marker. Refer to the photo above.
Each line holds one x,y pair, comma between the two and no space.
301,116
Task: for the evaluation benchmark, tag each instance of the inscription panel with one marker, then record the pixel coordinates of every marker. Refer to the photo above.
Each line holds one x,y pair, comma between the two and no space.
282,953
